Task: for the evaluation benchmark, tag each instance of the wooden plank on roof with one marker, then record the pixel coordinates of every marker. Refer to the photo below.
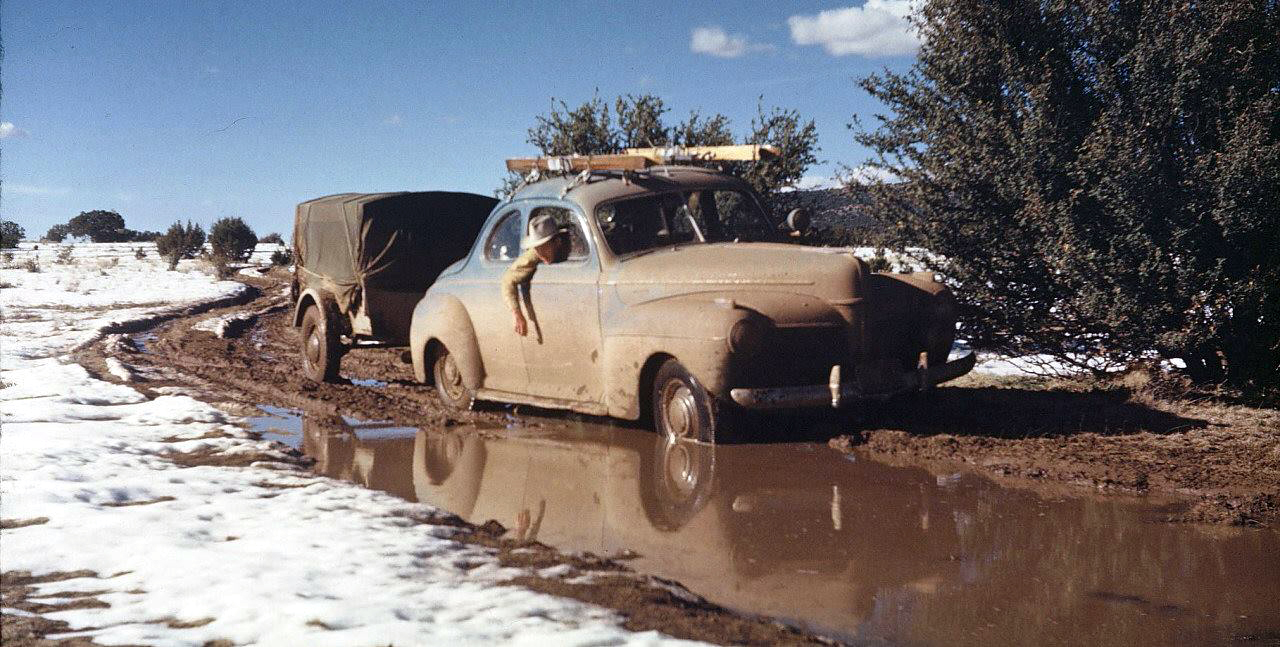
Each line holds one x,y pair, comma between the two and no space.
737,153
578,163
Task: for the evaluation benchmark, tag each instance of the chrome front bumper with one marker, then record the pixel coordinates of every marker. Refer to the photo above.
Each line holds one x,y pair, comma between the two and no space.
838,392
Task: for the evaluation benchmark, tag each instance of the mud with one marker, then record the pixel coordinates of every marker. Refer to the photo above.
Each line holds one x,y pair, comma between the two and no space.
1223,459
17,591
1179,462
258,363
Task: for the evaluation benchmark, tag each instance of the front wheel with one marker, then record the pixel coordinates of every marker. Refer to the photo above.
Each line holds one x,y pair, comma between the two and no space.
682,409
448,379
321,352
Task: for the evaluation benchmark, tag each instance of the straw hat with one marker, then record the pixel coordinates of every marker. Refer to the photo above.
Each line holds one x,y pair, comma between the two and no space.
542,228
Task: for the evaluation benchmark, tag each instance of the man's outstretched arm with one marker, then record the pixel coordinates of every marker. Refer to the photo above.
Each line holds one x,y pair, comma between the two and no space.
520,272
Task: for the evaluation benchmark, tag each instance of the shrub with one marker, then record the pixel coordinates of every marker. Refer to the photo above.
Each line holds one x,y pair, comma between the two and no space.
180,242
7,257
57,234
272,237
232,239
878,262
132,236
282,258
10,233
139,253
221,267
64,255
31,265
1103,182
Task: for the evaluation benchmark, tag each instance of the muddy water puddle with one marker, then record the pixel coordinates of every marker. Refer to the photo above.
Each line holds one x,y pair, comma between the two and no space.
848,547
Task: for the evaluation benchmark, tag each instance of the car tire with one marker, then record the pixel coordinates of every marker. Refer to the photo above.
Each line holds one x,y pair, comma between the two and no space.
448,379
321,352
682,408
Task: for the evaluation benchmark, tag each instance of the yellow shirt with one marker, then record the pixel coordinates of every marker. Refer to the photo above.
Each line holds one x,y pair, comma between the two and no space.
519,273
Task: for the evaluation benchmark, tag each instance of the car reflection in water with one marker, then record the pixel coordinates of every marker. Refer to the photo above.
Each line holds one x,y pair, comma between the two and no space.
858,549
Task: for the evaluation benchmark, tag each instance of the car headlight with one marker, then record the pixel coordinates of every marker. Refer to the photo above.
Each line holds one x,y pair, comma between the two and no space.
746,335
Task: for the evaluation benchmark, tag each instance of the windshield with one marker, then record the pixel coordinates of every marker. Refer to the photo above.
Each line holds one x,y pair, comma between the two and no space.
650,221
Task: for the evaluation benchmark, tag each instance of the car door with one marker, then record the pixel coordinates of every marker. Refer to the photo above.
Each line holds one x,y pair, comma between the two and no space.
500,347
562,350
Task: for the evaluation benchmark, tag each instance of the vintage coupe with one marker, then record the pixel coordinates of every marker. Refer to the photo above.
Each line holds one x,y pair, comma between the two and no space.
680,301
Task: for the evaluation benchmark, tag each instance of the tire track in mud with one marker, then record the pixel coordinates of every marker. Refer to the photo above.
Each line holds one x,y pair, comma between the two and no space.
257,362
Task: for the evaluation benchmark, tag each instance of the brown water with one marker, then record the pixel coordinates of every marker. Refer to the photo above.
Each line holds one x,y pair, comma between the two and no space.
844,546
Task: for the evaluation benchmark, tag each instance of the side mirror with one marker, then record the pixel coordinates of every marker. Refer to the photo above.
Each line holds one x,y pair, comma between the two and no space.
799,219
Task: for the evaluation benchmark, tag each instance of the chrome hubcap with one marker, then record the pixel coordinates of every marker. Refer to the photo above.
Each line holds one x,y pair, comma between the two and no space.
450,378
680,411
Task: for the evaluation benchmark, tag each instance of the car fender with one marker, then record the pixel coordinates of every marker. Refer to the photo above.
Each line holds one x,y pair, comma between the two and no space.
693,329
442,317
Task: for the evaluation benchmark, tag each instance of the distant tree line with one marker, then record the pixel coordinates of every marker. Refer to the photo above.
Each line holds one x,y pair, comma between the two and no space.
98,226
229,239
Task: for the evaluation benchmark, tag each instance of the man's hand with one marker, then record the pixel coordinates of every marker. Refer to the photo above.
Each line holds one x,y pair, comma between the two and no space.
522,327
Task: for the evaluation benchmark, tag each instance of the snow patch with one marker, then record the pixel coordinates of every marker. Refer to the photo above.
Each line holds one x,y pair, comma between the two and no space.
263,560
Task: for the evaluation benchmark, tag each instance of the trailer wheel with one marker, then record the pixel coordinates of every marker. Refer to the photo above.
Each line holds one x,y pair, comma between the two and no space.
448,379
321,352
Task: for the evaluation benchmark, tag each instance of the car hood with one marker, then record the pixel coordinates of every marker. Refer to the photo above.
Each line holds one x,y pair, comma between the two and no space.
833,275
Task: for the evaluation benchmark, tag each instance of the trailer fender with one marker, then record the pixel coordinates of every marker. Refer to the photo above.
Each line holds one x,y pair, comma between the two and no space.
313,296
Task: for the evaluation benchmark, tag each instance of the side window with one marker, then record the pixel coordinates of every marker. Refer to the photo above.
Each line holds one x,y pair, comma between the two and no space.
504,241
578,249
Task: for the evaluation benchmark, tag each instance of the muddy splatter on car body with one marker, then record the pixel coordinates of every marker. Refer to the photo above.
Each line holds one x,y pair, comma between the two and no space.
680,300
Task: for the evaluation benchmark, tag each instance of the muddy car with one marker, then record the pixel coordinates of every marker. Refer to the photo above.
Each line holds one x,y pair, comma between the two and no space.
680,301
362,262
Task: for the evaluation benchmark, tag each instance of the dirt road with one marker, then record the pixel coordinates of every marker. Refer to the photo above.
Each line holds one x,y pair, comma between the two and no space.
1222,459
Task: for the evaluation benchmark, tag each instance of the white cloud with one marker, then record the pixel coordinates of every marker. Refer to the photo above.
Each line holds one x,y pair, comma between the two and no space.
877,28
33,190
7,130
393,120
714,41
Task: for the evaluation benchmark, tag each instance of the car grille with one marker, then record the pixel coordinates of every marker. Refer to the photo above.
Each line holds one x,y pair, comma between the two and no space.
795,356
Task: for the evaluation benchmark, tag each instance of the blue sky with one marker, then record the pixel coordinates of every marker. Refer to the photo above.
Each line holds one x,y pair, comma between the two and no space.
199,110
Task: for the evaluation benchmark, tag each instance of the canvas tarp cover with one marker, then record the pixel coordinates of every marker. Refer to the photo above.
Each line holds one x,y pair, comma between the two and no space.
388,241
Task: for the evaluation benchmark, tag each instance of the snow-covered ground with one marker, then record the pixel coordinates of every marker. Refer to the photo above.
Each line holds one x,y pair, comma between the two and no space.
48,253
264,554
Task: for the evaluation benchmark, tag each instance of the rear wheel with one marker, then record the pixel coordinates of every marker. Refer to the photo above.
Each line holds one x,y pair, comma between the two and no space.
448,379
321,352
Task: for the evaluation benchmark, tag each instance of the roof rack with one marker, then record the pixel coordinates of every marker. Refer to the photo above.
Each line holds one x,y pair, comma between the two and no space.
636,159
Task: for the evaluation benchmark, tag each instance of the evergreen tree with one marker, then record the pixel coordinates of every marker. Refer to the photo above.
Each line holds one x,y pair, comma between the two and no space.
1101,177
